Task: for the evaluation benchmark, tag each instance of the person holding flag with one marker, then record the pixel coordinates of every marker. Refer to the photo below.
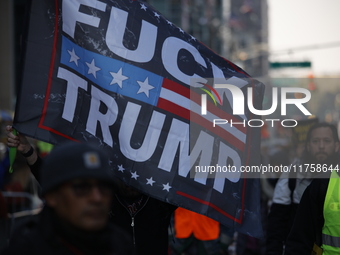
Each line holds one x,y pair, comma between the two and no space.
77,190
144,219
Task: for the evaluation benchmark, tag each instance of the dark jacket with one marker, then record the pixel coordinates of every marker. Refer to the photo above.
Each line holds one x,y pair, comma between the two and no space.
44,234
308,223
147,229
287,194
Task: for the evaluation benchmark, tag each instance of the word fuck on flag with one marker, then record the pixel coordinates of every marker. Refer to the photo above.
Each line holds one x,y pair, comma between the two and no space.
119,74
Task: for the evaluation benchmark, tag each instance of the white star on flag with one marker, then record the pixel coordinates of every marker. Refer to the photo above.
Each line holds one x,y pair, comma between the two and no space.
144,87
169,23
134,175
143,7
150,181
121,168
166,187
118,78
74,58
156,14
92,68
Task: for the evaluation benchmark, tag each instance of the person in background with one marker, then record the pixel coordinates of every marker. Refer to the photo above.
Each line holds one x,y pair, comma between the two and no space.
78,190
316,226
143,218
321,149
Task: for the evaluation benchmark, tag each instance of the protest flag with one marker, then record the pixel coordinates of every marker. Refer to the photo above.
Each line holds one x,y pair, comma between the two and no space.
119,74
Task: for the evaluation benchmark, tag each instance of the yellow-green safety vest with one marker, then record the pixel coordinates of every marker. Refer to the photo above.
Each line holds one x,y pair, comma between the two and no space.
331,213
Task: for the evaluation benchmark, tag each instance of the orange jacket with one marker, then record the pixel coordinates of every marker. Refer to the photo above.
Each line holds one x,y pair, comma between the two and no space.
188,222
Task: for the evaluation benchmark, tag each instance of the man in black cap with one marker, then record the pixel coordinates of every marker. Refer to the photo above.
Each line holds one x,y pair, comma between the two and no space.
77,189
143,219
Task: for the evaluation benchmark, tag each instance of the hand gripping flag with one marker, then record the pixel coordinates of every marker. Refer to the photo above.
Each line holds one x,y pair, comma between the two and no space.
172,114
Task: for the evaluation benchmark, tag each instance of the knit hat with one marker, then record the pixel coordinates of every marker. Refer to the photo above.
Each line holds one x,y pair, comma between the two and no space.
74,160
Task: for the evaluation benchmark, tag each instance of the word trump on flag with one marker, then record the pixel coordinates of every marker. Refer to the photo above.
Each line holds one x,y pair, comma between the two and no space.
119,74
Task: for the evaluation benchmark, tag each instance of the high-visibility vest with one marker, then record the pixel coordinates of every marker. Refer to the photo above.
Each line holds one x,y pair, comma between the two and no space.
331,213
202,227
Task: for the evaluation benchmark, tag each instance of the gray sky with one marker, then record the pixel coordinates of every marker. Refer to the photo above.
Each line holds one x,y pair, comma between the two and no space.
300,23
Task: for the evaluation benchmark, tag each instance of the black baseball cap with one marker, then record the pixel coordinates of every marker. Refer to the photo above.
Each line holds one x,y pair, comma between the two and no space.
74,160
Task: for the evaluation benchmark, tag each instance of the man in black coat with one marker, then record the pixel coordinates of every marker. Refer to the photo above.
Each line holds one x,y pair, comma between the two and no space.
144,219
78,191
307,228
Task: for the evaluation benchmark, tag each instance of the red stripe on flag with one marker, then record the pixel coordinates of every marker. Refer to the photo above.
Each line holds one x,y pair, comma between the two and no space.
173,108
175,87
185,113
195,97
211,108
50,76
225,135
218,209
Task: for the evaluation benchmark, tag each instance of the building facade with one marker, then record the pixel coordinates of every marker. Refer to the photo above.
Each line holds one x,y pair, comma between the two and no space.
234,29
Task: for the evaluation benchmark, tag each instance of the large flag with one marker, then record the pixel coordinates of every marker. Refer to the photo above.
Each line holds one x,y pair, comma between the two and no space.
172,114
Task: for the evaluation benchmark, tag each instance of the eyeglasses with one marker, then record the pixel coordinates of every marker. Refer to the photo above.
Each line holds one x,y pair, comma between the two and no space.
84,188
